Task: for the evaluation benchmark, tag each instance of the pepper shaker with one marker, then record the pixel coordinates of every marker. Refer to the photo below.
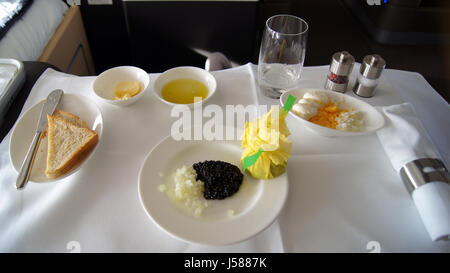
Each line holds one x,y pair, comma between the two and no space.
369,75
340,68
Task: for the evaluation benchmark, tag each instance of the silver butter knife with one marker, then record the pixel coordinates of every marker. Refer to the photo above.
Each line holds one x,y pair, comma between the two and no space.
48,108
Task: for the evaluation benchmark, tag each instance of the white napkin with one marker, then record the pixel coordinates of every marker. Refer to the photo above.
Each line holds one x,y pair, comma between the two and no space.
433,203
404,140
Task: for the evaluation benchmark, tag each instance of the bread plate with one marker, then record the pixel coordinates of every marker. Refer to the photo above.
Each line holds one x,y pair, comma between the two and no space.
256,205
373,120
25,127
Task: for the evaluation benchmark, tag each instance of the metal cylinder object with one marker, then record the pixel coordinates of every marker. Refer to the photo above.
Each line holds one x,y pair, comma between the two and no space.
340,68
421,171
369,74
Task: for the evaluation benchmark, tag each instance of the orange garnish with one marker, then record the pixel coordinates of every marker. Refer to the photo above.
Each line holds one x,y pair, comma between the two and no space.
327,114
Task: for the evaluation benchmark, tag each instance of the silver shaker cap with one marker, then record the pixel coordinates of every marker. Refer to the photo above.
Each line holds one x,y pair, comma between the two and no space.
372,66
342,63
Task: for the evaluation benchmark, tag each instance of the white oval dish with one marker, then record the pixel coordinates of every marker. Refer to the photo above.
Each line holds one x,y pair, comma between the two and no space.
104,83
24,130
185,72
373,120
256,205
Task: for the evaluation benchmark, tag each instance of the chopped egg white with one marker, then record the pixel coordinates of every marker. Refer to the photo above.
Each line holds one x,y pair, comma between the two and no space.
350,121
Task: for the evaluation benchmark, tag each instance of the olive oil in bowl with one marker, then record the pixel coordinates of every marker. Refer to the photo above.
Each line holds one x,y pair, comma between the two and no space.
183,91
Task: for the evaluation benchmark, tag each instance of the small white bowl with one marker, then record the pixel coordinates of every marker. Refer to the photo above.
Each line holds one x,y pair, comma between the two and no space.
185,72
373,120
104,83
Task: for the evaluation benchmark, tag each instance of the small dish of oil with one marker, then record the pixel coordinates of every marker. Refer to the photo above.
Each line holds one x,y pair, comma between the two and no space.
184,91
185,85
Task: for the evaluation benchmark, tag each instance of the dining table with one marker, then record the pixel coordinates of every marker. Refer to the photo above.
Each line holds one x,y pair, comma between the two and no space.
343,194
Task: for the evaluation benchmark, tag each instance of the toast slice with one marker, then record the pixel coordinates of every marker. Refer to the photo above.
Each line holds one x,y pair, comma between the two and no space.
68,144
71,118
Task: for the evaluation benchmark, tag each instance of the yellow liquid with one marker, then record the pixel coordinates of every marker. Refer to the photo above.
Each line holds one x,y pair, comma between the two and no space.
183,91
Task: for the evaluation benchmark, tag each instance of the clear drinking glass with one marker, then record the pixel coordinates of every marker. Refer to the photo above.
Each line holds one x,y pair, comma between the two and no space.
282,54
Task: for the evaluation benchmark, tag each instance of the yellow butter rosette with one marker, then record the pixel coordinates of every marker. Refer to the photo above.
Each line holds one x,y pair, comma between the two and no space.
269,133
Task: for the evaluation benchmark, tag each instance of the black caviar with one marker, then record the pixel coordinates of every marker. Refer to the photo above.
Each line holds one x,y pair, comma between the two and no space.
221,179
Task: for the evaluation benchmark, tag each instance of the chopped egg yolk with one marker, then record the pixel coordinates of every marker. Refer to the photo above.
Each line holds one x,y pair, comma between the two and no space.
326,115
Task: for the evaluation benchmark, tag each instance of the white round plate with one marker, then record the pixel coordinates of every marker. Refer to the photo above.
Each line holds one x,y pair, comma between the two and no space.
256,205
373,120
25,128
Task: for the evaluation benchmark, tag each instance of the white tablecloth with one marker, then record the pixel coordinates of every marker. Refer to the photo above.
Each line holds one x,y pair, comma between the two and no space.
344,195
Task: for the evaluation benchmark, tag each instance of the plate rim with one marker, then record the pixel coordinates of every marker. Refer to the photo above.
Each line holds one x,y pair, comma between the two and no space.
19,119
266,225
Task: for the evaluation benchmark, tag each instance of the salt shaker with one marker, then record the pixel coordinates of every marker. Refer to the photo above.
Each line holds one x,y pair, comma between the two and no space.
369,75
340,68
